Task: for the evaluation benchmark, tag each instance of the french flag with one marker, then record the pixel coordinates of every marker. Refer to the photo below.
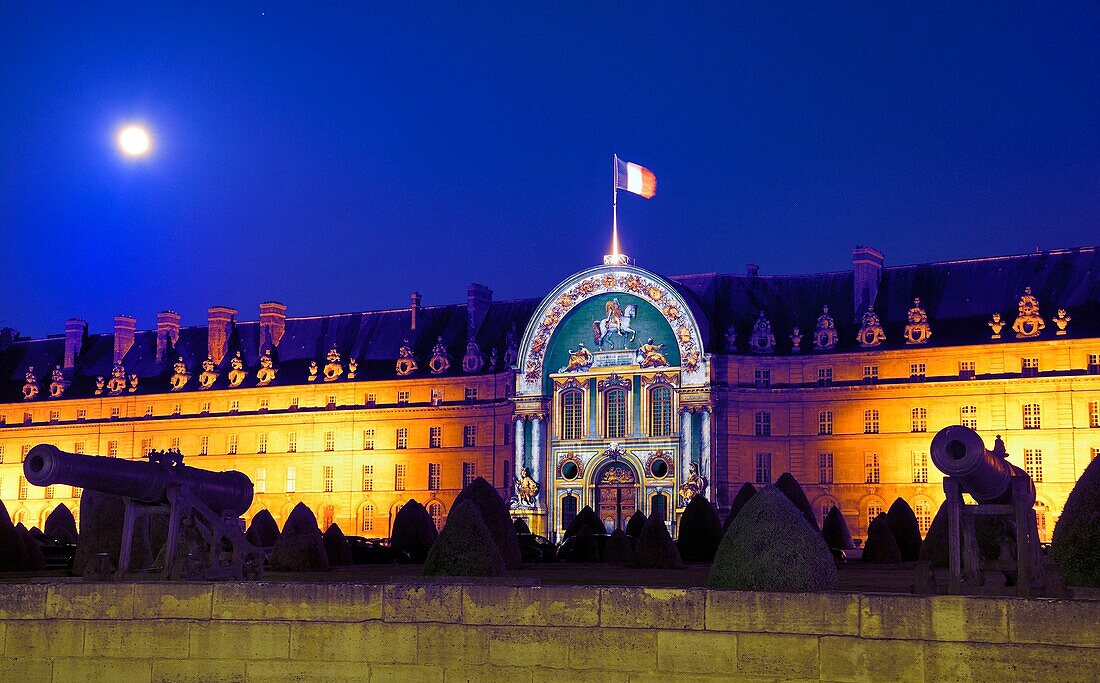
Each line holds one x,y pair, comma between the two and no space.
635,178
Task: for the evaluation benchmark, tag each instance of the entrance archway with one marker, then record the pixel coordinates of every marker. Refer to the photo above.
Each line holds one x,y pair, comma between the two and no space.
616,495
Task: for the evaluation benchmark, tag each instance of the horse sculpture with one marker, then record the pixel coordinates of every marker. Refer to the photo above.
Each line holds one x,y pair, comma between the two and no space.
601,329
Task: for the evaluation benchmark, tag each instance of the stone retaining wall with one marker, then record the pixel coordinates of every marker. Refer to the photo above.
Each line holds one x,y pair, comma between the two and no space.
89,632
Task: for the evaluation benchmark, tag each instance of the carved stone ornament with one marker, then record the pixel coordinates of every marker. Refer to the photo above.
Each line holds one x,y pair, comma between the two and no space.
440,361
659,456
208,375
511,347
474,360
133,383
617,474
762,340
266,374
579,360
649,355
694,485
58,385
100,381
576,460
996,324
406,362
731,339
917,329
236,372
313,370
870,329
180,376
353,368
1028,321
30,385
614,382
796,340
1061,321
825,332
334,369
494,359
527,490
661,378
117,384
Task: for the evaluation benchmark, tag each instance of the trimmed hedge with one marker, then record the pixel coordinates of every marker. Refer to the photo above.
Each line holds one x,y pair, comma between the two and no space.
881,547
587,517
520,526
300,547
835,530
618,549
413,531
635,525
264,530
789,487
33,559
903,524
935,548
101,519
700,531
655,549
770,546
465,547
60,525
1076,543
494,512
586,549
744,494
12,551
336,546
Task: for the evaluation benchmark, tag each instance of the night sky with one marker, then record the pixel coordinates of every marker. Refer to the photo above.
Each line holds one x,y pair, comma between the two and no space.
337,157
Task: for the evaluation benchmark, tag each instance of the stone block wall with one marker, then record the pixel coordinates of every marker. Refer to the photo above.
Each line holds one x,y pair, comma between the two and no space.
144,632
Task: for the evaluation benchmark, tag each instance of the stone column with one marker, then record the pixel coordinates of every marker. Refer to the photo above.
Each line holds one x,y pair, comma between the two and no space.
518,462
704,452
536,453
685,443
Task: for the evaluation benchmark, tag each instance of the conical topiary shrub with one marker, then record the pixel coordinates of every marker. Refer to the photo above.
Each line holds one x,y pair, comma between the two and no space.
12,551
101,518
586,549
60,525
700,531
835,530
903,524
587,517
521,526
635,524
655,549
264,530
935,548
881,547
336,546
769,546
494,512
618,549
32,552
300,547
744,494
1076,543
413,531
790,488
464,547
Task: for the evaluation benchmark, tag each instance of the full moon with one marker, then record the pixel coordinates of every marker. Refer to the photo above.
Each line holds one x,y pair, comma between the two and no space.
134,141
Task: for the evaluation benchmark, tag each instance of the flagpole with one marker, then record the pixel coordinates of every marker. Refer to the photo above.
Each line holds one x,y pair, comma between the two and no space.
615,205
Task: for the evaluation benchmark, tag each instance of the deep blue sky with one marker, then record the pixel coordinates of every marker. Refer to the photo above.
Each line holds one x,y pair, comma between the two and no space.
337,157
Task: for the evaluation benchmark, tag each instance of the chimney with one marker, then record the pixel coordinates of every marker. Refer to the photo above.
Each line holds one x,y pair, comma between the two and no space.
168,330
414,310
76,330
478,300
272,323
867,264
124,335
752,269
219,323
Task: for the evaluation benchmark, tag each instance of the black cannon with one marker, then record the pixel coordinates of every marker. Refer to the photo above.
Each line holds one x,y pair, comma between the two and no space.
1000,489
202,508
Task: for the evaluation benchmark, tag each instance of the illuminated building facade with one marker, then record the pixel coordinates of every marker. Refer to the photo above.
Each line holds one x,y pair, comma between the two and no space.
620,389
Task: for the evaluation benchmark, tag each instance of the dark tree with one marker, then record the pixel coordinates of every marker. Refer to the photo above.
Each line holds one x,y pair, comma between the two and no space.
12,551
1076,543
635,524
264,530
881,547
465,547
655,549
336,546
746,492
521,526
32,552
700,531
101,517
790,488
903,524
300,547
989,531
835,530
413,531
587,517
60,525
494,512
586,549
618,549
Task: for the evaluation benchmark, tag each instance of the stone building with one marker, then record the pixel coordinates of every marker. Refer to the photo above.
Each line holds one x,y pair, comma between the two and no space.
620,389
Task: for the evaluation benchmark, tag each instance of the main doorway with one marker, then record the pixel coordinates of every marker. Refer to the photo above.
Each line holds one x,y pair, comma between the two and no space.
616,495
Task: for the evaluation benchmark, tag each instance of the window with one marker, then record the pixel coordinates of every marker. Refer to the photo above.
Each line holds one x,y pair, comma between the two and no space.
371,400
824,377
82,414
471,394
923,512
234,406
572,414
291,479
871,468
293,403
873,510
1094,414
331,403
27,449
1029,367
112,449
826,507
261,443
920,468
204,445
469,436
50,490
175,443
292,442
825,422
55,415
146,447
762,423
76,492
116,413
469,473
1093,452
261,480
437,397
1094,364
507,428
870,374
870,422
660,411
368,518
762,379
763,468
825,468
399,478
402,437
568,510
434,470
1041,519
402,398
368,439
24,489
918,418
1031,416
658,506
435,437
1033,464
616,414
435,509
177,409
368,477
2,454
968,416
149,411
264,404
205,407
78,447
967,369
231,448
330,441
28,417
916,370
327,477
327,515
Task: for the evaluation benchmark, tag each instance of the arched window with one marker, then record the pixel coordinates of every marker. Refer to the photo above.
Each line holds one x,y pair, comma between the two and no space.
874,509
658,505
568,510
660,411
366,518
435,509
923,511
616,414
327,517
393,514
572,414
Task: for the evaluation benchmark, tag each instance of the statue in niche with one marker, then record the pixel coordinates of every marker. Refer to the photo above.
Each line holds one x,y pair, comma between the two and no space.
511,347
527,489
313,369
825,333
870,329
117,384
796,340
406,362
440,361
650,356
1061,321
30,385
236,372
266,374
474,360
917,330
731,339
996,324
694,485
579,360
133,383
180,376
333,368
100,382
208,376
762,339
493,359
1028,321
57,383
353,368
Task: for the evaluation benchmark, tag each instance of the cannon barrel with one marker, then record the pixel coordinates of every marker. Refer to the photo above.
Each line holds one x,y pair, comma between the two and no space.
148,482
959,452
